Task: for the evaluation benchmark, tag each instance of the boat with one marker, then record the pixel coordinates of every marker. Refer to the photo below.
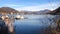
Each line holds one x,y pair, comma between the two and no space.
20,17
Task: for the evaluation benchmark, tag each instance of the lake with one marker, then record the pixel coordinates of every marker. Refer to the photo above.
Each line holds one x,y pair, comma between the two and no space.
34,24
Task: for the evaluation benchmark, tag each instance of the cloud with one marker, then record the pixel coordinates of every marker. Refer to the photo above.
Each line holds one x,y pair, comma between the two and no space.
50,6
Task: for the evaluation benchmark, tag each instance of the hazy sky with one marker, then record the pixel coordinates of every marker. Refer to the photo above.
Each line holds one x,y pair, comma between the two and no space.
30,5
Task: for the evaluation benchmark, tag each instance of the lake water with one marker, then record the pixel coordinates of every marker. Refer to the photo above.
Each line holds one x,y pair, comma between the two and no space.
34,24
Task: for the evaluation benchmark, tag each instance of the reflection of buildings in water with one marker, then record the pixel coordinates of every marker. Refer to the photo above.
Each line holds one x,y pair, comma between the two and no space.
9,23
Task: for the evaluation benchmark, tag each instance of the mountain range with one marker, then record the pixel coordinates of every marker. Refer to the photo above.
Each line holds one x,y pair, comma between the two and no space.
46,11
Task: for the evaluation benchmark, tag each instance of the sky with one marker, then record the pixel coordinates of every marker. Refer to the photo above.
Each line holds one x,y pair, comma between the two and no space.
30,5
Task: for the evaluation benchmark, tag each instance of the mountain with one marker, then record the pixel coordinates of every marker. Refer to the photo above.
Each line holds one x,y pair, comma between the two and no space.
36,12
55,12
7,10
46,11
43,11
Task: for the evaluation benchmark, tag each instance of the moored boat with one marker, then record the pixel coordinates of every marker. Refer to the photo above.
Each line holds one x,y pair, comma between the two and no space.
20,17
